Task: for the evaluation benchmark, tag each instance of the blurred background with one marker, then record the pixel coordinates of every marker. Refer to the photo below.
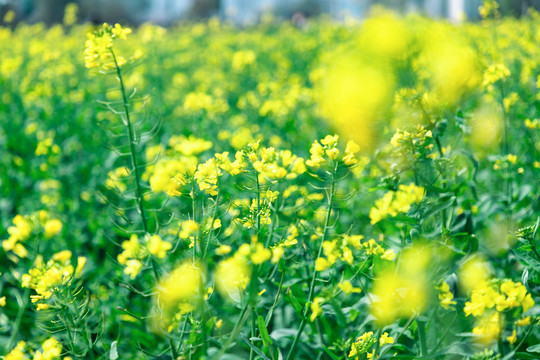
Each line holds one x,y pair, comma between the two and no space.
241,12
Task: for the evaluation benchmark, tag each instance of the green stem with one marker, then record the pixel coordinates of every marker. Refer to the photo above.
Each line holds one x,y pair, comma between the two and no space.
377,344
313,277
234,333
421,327
138,192
211,230
18,320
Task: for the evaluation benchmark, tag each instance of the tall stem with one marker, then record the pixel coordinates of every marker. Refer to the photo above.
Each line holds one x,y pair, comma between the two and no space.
131,137
313,277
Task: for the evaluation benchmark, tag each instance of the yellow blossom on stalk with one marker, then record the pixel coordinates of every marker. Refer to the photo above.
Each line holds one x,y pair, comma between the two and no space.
18,233
395,202
223,250
350,151
317,155
362,345
512,338
2,301
445,296
385,339
45,278
523,322
156,246
316,309
532,124
18,352
348,288
260,254
489,8
495,73
291,238
322,264
207,175
51,350
52,227
188,228
488,328
81,262
277,254
70,14
98,52
133,267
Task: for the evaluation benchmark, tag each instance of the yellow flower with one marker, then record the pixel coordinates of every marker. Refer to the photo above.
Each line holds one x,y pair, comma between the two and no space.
18,352
2,301
42,306
157,247
277,254
445,296
261,254
133,267
512,338
523,322
348,288
488,328
385,339
316,309
321,264
223,250
52,227
81,261
189,227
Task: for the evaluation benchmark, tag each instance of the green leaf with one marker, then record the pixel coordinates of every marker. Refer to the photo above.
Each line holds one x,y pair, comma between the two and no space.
528,259
256,349
534,348
267,341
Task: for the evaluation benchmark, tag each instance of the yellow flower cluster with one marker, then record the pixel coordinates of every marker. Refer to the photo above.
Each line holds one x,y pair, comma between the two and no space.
446,298
18,233
134,253
116,179
45,278
342,249
52,350
395,202
489,300
327,148
98,52
532,124
495,73
365,341
23,228
488,295
404,138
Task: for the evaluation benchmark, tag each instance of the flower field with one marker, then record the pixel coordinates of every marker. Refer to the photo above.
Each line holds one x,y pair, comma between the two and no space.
356,190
